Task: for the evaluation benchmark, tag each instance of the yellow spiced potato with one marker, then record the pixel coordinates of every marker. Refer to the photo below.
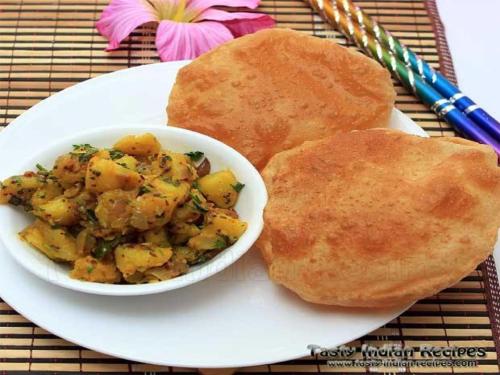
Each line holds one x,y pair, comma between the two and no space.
157,237
58,211
220,231
150,211
128,162
56,243
226,225
91,269
177,192
132,258
181,168
70,168
139,145
221,187
105,174
134,213
45,193
17,190
114,209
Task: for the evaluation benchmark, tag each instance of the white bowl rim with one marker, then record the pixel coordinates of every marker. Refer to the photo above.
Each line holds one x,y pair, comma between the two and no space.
219,263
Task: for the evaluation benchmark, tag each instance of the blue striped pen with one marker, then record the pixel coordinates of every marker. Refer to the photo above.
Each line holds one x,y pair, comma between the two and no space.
435,79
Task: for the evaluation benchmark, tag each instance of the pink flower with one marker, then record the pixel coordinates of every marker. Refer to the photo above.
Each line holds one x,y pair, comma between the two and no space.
186,28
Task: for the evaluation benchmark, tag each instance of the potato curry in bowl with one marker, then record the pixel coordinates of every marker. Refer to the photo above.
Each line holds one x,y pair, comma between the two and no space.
130,214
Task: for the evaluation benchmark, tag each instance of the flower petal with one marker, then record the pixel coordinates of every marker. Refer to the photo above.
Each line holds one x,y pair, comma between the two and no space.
240,23
184,41
221,15
121,17
201,5
239,27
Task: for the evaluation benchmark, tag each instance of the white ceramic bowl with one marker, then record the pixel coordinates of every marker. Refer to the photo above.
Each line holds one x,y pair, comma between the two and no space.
250,206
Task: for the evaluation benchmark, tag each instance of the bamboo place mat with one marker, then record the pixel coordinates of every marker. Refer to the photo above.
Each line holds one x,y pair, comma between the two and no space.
48,45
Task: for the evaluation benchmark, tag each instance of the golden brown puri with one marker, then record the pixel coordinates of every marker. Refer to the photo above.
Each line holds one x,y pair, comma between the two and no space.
379,217
272,90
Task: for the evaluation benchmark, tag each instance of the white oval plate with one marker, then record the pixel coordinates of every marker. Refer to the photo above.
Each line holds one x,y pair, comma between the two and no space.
250,207
236,318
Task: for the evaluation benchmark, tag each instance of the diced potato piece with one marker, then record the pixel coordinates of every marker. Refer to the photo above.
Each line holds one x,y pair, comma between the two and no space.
103,175
19,189
186,253
58,211
114,209
157,237
226,225
127,161
45,193
175,166
140,145
192,210
176,192
207,239
56,244
151,211
102,154
186,213
162,163
68,169
90,269
220,188
182,232
220,232
132,258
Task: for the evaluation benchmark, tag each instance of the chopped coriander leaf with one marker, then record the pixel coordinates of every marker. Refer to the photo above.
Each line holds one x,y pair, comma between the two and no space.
83,147
41,169
166,158
84,157
195,198
197,202
238,187
143,190
84,152
116,154
91,216
164,161
16,180
205,256
199,260
195,155
104,247
171,182
90,269
220,243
